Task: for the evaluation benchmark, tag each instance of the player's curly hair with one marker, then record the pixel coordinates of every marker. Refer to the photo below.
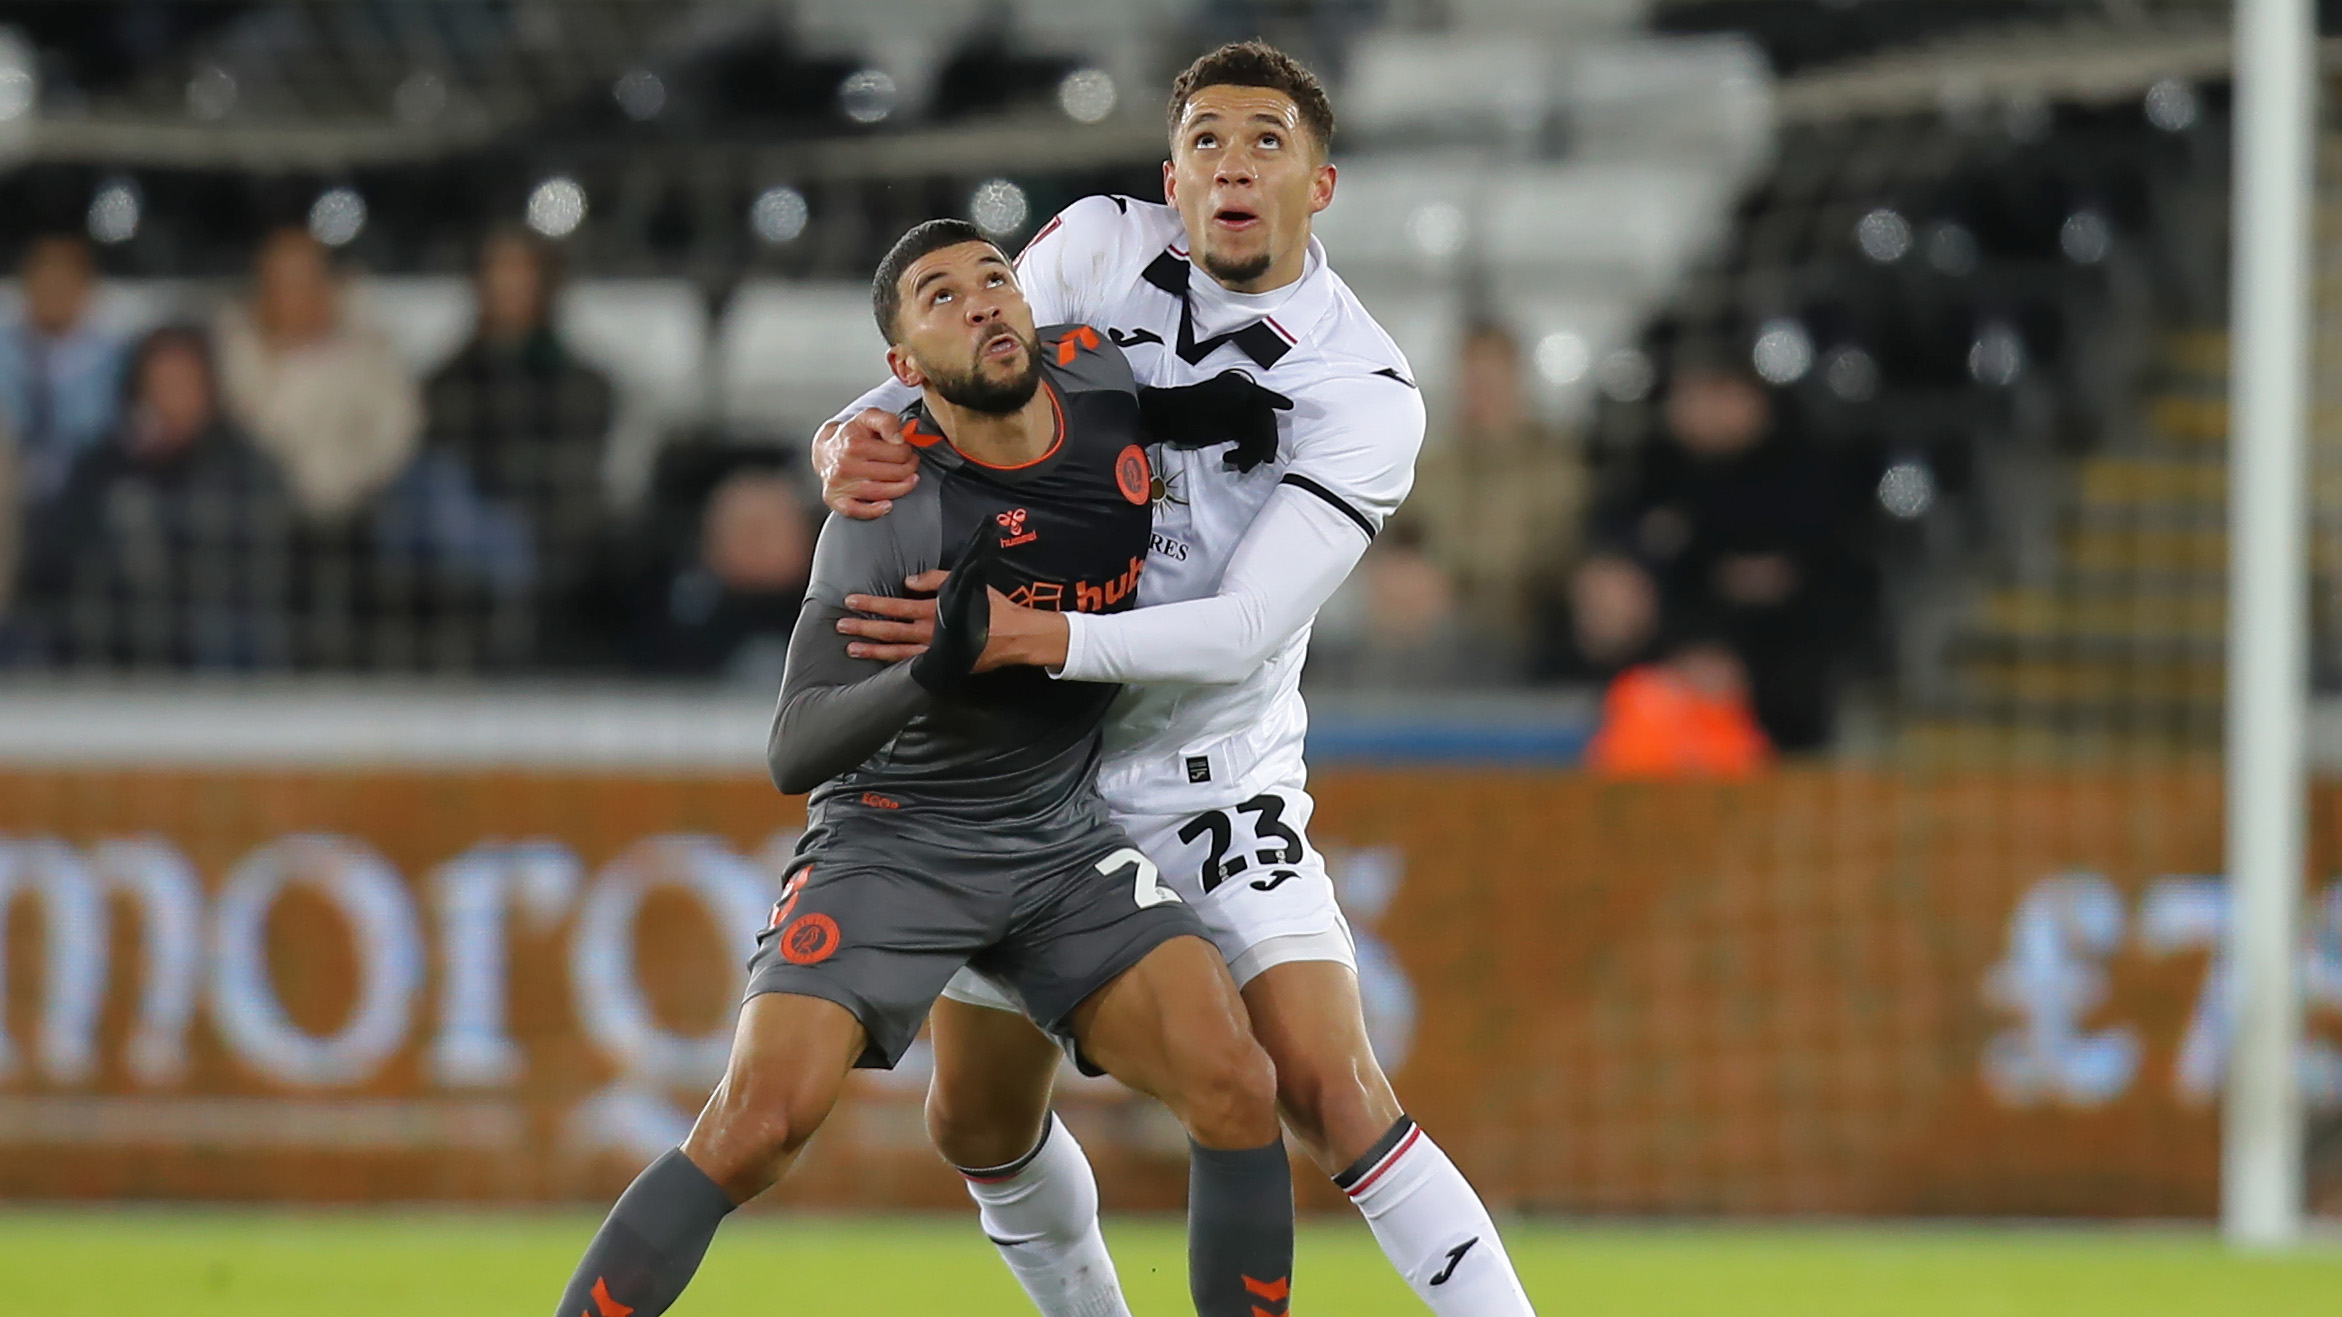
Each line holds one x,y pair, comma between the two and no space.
1257,64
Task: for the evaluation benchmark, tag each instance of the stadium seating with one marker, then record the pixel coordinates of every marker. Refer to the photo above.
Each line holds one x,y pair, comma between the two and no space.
428,318
1412,88
651,337
789,355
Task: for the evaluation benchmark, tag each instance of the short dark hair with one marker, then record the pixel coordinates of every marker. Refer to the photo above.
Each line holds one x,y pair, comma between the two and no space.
886,293
1257,64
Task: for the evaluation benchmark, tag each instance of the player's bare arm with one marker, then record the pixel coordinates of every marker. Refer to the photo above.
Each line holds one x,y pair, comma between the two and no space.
892,629
864,464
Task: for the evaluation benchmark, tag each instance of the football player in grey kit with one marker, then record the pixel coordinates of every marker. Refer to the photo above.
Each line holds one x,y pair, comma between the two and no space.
954,818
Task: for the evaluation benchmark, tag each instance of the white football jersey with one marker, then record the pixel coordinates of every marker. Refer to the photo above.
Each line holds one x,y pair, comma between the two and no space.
1121,266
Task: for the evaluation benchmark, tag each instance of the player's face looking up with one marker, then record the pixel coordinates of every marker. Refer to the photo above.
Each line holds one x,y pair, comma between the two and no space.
1246,177
965,329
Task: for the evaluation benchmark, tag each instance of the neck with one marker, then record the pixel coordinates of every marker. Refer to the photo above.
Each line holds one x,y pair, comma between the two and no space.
1014,439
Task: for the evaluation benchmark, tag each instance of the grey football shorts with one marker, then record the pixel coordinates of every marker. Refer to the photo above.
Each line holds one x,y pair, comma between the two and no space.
878,913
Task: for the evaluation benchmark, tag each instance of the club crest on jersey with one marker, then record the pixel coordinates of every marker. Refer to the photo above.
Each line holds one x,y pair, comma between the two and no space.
1013,522
1132,476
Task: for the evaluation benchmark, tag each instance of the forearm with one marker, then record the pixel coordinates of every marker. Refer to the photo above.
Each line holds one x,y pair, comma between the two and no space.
892,396
835,711
1293,557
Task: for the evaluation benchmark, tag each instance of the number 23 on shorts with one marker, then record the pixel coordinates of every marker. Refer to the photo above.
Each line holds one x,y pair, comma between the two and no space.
1267,812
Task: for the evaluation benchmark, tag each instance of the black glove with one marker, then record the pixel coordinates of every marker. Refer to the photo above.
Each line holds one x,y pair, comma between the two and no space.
963,619
1228,408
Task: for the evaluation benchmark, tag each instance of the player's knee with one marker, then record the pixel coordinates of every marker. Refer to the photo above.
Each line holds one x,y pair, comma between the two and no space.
970,1137
752,1126
1314,1094
1232,1096
1334,1101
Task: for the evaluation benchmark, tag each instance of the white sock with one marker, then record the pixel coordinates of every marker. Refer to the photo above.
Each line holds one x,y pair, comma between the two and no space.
1433,1227
1041,1212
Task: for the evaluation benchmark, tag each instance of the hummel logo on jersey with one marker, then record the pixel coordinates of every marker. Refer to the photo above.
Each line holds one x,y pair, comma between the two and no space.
1126,338
1013,521
1455,1256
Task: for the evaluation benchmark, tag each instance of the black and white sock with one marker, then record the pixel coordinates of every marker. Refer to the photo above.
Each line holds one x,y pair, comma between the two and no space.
650,1244
1041,1212
1433,1227
1240,1231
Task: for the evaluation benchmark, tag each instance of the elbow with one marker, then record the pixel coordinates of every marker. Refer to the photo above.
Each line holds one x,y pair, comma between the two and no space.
1245,649
793,776
789,771
1228,669
796,779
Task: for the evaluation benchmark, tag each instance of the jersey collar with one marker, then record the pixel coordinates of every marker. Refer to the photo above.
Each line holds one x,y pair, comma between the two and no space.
1263,323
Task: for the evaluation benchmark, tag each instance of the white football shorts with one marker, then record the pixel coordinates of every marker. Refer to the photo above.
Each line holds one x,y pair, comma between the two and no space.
1249,871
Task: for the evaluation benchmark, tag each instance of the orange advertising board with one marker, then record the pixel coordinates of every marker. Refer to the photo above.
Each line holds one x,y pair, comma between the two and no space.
1821,991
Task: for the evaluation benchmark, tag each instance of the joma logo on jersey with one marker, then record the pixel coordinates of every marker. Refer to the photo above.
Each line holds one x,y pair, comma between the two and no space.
1049,596
1013,521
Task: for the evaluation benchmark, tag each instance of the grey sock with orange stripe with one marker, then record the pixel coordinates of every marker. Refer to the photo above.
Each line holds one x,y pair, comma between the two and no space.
1239,1230
650,1244
1433,1227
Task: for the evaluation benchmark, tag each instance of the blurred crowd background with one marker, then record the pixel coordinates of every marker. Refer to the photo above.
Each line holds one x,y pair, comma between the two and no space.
1804,374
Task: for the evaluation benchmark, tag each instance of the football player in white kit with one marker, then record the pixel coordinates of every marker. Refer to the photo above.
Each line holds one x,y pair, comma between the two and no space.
1204,752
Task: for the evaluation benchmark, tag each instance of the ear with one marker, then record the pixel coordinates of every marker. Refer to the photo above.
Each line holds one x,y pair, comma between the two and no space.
1170,186
906,371
1321,189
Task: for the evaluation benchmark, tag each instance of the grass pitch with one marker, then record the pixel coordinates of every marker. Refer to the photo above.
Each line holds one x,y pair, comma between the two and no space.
257,1264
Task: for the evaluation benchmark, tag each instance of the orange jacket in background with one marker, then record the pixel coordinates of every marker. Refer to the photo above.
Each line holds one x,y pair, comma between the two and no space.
1656,724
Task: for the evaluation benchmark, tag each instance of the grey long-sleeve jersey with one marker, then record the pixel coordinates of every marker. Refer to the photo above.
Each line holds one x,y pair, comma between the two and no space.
1072,534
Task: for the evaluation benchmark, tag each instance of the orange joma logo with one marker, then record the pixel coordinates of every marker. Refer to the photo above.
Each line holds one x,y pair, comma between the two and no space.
1269,1291
613,1308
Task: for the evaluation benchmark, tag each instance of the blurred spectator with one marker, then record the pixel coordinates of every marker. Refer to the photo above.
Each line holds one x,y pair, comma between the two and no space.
1396,623
527,420
170,543
1730,517
729,607
1615,604
60,376
1687,716
1498,501
324,395
11,542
